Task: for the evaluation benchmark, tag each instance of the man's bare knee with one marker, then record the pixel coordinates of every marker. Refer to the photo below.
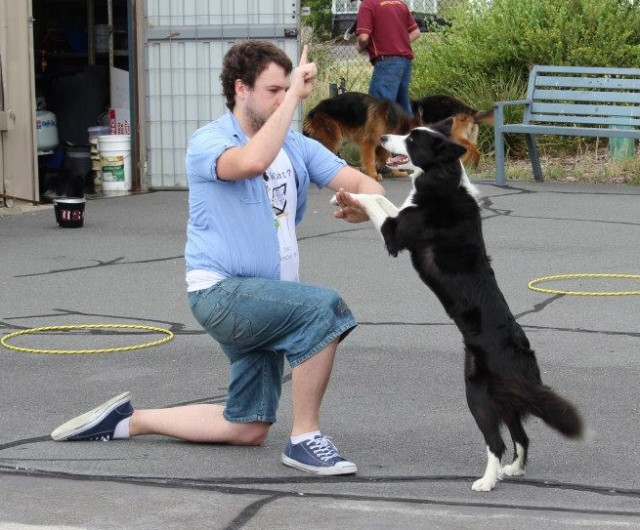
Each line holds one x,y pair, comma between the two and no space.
254,433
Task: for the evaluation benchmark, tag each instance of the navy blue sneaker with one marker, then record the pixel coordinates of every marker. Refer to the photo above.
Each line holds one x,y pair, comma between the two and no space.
97,424
318,455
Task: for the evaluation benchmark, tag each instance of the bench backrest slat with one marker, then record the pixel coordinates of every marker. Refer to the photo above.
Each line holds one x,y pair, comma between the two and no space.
587,120
584,110
604,83
595,96
581,95
582,70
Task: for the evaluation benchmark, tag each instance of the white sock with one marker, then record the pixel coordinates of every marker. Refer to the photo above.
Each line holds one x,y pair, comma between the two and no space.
304,436
122,429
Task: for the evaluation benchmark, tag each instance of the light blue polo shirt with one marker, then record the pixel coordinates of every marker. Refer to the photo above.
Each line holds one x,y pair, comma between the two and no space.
231,230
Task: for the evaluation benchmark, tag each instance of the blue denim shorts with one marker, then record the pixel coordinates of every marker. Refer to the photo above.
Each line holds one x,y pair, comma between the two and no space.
258,323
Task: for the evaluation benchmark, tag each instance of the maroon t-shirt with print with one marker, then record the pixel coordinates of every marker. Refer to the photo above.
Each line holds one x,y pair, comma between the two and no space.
388,24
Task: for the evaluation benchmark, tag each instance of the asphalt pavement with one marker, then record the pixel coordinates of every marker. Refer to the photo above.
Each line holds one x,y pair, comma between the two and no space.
395,404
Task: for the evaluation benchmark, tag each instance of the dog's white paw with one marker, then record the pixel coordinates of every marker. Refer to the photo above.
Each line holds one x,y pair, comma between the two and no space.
492,474
516,468
334,201
484,484
512,470
488,482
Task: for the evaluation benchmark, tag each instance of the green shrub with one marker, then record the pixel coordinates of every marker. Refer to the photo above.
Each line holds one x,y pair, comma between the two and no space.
320,18
486,54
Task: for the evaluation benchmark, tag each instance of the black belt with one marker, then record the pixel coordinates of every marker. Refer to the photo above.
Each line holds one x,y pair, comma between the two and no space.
384,57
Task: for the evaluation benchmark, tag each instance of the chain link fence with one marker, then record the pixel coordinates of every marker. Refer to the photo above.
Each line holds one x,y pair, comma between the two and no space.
341,67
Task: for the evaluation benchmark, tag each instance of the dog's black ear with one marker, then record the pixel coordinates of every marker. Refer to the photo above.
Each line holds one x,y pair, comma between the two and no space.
443,126
446,151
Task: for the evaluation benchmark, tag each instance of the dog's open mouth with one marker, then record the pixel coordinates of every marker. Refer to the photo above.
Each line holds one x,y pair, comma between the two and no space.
397,160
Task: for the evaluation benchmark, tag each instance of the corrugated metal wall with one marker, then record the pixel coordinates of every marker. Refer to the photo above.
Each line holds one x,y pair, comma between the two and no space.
185,43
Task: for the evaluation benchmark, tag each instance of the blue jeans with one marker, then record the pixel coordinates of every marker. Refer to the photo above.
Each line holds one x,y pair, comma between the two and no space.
390,80
258,323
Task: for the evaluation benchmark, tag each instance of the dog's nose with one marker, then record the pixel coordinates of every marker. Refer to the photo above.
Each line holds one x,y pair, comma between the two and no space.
384,138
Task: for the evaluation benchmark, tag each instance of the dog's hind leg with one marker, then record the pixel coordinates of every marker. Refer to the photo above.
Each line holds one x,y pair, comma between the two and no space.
490,427
520,447
485,412
491,475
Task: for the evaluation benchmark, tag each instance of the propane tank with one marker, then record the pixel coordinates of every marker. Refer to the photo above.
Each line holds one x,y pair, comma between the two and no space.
46,128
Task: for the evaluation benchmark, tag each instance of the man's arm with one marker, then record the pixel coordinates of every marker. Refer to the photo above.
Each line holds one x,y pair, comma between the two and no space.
362,42
258,154
350,180
414,35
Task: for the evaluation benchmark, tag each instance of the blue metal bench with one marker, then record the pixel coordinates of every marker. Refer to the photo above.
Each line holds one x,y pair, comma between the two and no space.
572,101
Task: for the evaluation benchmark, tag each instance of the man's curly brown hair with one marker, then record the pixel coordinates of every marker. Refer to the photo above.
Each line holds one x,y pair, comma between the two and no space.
246,60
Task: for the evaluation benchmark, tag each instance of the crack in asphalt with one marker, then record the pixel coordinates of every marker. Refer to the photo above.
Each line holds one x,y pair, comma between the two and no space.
233,486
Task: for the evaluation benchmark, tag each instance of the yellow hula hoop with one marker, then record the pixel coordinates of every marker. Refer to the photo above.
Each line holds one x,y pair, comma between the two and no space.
169,336
532,284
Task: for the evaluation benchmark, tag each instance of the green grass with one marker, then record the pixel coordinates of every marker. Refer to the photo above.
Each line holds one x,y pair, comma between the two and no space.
592,166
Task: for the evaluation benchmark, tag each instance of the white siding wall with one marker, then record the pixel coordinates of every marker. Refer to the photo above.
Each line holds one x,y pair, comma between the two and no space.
185,43
221,12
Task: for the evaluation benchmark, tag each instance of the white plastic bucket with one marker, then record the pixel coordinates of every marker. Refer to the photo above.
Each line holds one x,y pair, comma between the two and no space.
115,160
94,133
97,131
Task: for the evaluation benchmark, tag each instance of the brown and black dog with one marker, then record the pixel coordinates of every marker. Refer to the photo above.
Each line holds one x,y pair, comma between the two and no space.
432,109
463,129
461,120
362,119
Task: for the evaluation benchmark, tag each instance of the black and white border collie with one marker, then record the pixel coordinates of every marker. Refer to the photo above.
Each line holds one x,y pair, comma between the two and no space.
440,225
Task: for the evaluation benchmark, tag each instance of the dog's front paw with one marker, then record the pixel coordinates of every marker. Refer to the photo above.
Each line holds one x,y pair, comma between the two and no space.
334,201
484,484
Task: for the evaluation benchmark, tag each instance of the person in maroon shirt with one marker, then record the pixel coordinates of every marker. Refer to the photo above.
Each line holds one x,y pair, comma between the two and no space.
385,30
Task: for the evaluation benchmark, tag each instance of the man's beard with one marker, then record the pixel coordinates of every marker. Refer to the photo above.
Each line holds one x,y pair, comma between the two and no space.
255,119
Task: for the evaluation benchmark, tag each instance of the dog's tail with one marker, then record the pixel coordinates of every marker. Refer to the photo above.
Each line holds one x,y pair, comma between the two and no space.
556,411
484,116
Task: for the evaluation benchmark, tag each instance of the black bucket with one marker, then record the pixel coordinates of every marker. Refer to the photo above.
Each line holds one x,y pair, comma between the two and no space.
69,212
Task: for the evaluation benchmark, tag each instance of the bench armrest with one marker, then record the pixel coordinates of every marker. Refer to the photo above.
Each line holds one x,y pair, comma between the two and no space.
514,102
499,150
498,110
